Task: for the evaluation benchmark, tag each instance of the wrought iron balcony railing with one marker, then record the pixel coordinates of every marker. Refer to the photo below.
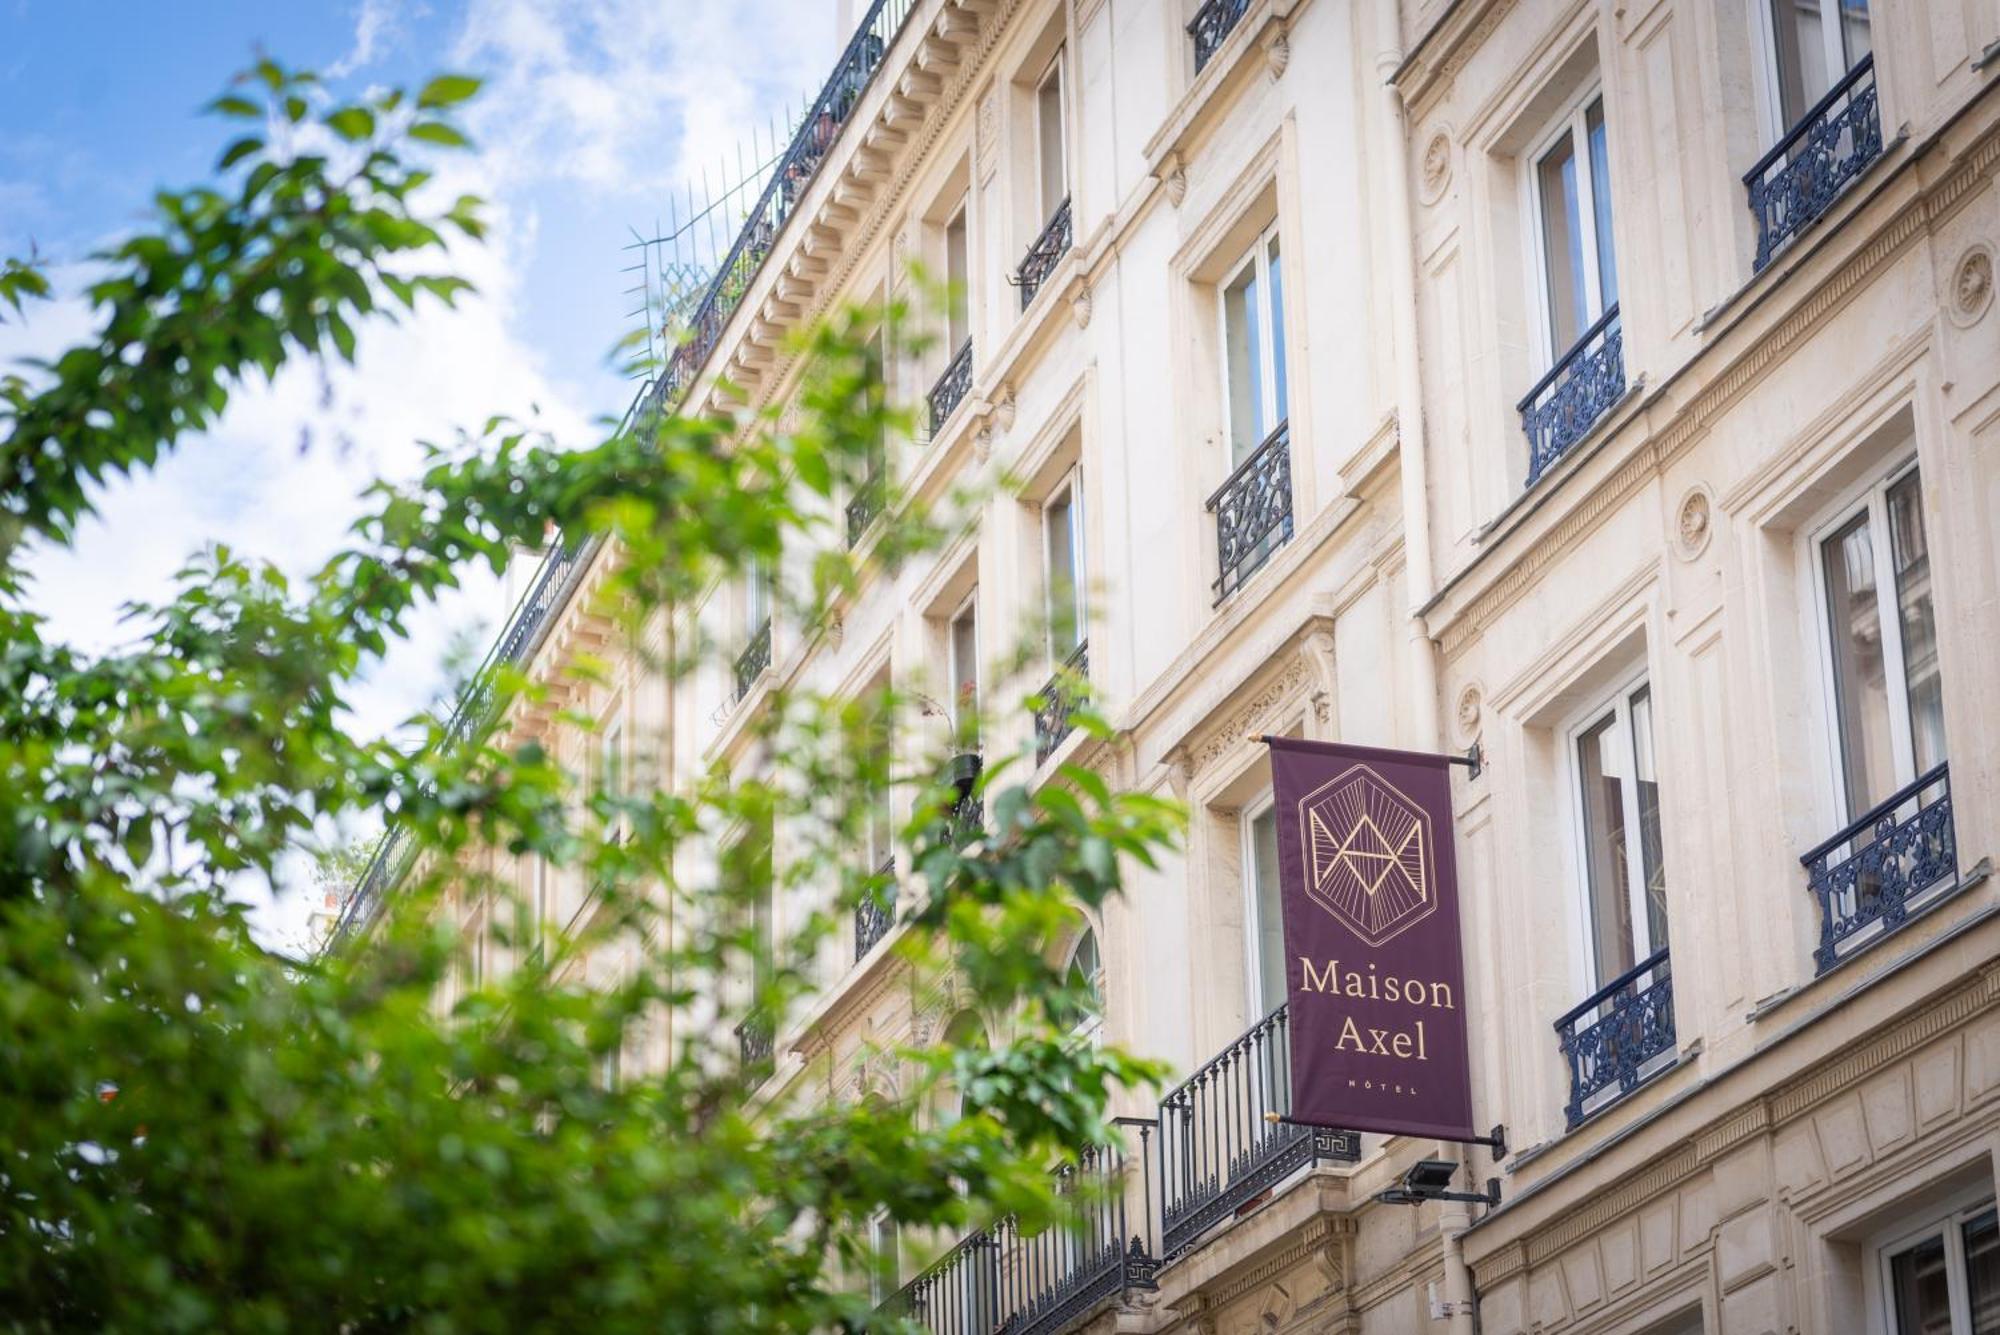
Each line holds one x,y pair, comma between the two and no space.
1212,24
968,812
790,178
875,913
1253,512
951,387
755,658
754,1042
864,506
1566,403
1867,877
1217,1150
1044,254
1059,700
1614,1040
1003,1281
1793,185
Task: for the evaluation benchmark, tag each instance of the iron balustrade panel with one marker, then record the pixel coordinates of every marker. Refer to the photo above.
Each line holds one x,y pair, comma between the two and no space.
864,506
1793,185
790,178
1866,876
754,1042
1044,254
1218,1151
755,658
875,913
1253,512
1212,24
1617,1033
959,1293
1578,390
951,387
1060,698
967,816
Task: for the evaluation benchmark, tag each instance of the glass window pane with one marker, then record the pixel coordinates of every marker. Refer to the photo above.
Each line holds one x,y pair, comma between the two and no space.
1861,694
1910,556
957,276
1855,38
1048,109
1059,541
965,673
1921,1294
1600,197
1602,769
1243,363
1281,410
1982,1272
1562,246
1651,847
1270,924
1800,45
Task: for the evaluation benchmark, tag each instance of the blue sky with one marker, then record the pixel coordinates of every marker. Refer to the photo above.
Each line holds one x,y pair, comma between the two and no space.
594,115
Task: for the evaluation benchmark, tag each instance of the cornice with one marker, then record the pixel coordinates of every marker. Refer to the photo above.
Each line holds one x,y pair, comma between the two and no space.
1435,59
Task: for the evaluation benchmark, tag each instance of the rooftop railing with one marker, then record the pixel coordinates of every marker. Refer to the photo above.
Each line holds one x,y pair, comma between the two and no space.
1793,185
1870,876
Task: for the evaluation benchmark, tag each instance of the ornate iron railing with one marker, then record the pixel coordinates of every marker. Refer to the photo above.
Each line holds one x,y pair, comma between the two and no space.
1065,691
1614,1037
1043,254
865,505
1212,24
755,658
1218,1152
1566,403
1793,185
875,911
1868,874
754,1042
968,811
789,180
951,387
1004,1281
1253,512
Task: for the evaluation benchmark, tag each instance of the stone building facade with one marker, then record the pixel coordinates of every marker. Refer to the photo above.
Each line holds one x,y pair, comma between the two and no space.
1608,385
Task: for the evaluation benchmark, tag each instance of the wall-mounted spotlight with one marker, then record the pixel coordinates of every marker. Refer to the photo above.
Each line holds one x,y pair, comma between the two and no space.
1430,1180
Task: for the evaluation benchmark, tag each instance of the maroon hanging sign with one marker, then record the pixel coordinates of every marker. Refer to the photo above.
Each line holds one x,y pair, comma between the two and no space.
1372,965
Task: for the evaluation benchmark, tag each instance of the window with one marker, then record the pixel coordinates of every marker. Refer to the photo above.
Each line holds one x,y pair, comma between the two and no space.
1265,938
1253,342
1051,166
1083,976
963,652
957,277
1570,193
885,1261
542,906
756,598
610,774
1062,562
1618,824
1887,694
1813,43
1944,1278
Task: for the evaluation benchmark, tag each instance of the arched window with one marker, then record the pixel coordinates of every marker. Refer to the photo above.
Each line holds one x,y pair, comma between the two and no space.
967,1031
1083,976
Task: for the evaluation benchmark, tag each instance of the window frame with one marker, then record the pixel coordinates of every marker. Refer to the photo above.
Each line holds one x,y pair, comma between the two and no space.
1272,398
1946,1220
958,285
1053,71
1833,50
1088,1027
1570,123
967,606
1869,496
1615,702
1071,487
1253,918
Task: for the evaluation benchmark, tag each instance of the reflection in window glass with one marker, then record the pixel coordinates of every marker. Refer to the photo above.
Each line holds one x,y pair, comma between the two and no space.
1603,768
1562,245
1652,858
1270,924
1922,1289
1917,621
1860,680
1245,372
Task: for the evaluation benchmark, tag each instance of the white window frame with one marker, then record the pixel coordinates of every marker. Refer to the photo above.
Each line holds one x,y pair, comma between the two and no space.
1948,1220
1090,1028
1871,495
1071,485
1832,49
884,1281
958,287
1054,70
1276,414
1571,123
967,606
1583,938
1253,934
541,878
759,588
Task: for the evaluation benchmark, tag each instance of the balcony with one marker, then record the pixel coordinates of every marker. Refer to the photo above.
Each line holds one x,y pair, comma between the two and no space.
1059,699
1618,1038
754,1043
1253,512
1578,390
755,658
967,816
1212,24
1043,255
1793,185
864,506
1218,1153
951,387
1870,876
1003,1281
875,914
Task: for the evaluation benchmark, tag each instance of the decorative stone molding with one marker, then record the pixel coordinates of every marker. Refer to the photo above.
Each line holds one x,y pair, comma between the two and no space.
1972,285
1004,406
988,131
1693,523
1079,306
1469,714
1278,51
1173,174
1260,709
1434,172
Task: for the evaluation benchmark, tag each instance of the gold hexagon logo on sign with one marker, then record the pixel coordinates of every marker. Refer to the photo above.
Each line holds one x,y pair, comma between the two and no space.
1367,854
